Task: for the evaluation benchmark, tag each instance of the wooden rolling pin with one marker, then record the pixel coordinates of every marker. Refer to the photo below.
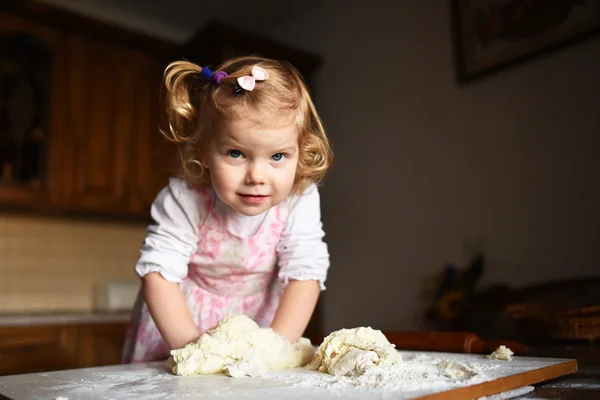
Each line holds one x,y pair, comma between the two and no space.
451,342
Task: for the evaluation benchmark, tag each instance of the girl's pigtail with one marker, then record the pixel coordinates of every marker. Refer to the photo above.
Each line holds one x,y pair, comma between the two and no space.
316,153
180,78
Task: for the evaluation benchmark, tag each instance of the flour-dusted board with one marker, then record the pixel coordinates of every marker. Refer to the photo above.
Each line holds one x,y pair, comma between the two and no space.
422,375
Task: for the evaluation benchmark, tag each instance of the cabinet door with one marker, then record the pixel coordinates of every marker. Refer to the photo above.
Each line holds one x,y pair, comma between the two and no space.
154,156
32,65
101,344
26,349
99,126
116,150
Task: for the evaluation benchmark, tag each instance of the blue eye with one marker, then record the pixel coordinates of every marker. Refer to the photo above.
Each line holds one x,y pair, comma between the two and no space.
234,153
277,157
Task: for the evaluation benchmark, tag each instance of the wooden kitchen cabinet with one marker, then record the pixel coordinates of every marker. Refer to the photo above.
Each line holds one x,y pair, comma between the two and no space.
34,349
27,349
113,117
101,344
32,64
100,148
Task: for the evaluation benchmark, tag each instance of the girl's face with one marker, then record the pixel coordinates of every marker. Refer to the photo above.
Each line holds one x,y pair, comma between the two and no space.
253,168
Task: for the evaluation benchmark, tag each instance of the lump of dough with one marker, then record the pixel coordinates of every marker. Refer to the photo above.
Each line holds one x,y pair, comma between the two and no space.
238,347
350,352
501,353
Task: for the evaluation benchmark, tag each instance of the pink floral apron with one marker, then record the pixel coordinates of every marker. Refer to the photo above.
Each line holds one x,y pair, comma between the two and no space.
227,275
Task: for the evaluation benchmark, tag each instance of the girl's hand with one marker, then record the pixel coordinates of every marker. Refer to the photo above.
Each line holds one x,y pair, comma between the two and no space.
288,335
169,311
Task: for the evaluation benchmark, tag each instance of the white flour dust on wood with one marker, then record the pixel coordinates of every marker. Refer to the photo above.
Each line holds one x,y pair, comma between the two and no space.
413,376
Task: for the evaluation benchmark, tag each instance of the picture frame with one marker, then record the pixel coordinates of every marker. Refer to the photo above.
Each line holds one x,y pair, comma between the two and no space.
490,35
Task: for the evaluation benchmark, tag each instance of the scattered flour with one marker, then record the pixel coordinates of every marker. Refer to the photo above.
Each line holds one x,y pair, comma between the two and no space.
413,375
454,370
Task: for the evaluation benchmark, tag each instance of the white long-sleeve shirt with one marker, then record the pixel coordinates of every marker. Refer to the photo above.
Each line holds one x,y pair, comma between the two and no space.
178,212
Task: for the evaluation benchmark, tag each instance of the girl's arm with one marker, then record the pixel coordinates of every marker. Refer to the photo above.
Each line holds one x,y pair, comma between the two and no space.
163,263
297,304
303,264
169,311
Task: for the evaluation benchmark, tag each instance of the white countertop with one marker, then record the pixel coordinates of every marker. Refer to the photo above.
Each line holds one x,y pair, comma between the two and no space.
154,380
59,318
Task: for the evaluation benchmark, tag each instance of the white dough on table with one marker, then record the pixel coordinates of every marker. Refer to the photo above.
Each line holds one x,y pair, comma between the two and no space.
238,347
351,352
501,353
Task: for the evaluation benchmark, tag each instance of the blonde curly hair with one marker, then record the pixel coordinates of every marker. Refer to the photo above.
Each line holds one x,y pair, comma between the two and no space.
196,106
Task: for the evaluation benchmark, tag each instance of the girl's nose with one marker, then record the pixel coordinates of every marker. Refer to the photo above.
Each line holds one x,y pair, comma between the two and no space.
255,174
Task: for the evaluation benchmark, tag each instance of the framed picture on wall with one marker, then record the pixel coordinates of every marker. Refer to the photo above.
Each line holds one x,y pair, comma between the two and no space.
493,34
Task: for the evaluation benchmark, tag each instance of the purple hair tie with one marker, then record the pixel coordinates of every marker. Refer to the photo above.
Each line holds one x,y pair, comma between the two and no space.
218,76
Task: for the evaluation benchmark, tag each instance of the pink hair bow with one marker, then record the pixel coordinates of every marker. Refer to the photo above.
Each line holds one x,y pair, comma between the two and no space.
249,81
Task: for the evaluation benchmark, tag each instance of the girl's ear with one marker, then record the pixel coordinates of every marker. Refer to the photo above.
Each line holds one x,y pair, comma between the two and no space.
202,160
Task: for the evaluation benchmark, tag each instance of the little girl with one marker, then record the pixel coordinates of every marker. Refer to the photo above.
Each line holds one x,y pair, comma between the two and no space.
240,232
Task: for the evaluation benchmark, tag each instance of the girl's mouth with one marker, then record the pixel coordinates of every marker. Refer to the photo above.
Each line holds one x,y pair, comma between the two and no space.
253,198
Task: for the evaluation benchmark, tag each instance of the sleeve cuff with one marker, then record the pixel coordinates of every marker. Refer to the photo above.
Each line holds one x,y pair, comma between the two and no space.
176,273
285,277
